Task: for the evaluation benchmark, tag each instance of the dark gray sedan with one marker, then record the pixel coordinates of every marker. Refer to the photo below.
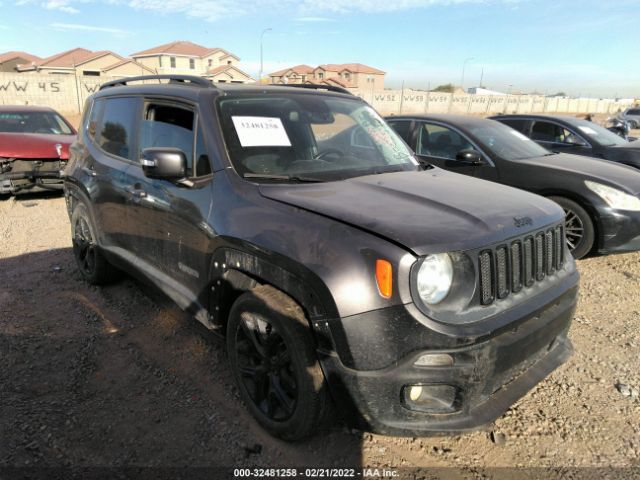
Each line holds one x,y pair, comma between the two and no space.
566,134
601,199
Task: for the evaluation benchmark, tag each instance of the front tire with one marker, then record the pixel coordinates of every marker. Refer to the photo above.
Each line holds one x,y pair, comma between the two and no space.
273,360
94,268
579,230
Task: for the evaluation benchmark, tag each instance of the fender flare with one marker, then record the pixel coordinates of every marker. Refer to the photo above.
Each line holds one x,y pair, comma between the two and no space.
234,271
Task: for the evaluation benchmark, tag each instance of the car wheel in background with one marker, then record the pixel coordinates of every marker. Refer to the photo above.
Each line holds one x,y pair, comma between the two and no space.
578,227
92,265
273,361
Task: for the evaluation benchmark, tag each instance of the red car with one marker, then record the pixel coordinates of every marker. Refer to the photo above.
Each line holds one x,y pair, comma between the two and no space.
34,147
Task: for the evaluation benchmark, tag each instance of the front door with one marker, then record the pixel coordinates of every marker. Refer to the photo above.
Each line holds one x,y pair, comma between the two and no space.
172,216
440,145
558,138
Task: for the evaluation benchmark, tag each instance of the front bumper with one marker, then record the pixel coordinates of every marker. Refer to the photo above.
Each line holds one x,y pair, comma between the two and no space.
489,374
31,175
620,231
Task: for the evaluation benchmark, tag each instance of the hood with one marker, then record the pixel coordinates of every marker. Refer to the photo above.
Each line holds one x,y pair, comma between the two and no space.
426,212
635,145
34,145
615,174
628,153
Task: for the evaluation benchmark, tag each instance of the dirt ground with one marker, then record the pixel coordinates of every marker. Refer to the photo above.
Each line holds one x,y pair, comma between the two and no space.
118,376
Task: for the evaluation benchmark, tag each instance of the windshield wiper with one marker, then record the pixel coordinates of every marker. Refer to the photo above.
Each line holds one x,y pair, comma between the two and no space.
273,176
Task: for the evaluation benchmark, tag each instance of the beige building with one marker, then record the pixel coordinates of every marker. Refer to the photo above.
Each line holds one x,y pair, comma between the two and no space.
10,60
187,58
346,75
81,61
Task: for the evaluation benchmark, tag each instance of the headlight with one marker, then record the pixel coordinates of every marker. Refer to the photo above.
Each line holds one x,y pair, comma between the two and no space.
434,278
613,197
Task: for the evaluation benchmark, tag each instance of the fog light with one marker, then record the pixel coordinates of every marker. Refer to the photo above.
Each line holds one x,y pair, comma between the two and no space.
414,392
434,360
430,398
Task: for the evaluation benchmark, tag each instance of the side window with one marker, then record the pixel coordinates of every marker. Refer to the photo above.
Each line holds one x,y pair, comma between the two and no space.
440,141
117,128
169,126
517,124
633,111
94,118
203,165
551,132
402,128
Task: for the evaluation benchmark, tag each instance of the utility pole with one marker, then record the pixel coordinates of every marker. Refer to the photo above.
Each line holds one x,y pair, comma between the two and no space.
261,49
464,64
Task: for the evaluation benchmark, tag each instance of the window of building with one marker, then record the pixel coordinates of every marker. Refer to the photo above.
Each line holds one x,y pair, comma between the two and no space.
172,60
228,62
209,62
90,73
192,63
160,61
117,127
347,76
320,75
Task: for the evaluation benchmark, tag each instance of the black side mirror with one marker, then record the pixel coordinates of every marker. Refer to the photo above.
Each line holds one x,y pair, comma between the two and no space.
468,157
164,162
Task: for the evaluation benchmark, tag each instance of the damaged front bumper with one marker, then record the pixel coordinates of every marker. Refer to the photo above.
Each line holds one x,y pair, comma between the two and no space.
30,174
447,385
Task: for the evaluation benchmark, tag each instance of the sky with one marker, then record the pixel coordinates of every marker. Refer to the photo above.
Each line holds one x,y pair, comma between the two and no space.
586,48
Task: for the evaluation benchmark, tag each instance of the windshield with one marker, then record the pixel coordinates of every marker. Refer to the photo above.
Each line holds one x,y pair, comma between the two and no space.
597,133
306,136
33,122
506,142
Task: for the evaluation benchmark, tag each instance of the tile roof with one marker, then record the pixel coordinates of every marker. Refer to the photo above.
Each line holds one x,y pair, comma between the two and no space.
352,67
299,69
124,61
15,54
66,59
224,68
96,55
182,47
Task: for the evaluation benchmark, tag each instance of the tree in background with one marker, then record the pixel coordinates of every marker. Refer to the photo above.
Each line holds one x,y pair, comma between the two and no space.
447,88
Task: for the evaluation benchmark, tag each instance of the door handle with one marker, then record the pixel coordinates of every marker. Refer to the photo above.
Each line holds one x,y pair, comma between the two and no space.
137,191
90,171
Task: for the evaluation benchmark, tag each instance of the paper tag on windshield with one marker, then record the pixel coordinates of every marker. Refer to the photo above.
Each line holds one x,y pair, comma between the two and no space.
588,130
261,132
519,135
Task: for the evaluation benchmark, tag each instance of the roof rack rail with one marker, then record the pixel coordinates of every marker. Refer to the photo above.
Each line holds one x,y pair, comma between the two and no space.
315,86
184,79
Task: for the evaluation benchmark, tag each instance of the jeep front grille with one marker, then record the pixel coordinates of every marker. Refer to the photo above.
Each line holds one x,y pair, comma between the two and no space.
508,269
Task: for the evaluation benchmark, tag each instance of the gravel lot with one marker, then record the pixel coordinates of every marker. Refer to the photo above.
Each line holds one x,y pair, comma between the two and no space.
119,376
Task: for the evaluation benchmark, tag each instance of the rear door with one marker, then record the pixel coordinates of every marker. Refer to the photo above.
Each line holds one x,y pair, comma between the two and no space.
559,138
110,150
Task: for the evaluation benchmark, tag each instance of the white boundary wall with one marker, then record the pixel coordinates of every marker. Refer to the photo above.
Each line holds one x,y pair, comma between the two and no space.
396,102
67,93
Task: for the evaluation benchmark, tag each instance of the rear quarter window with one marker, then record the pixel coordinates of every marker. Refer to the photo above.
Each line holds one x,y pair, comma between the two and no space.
519,125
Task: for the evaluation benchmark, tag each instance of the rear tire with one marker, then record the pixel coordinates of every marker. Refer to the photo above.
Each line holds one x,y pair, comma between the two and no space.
579,230
93,267
273,360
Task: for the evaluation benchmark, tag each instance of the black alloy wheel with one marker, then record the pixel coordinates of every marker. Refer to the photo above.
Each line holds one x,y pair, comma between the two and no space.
264,363
273,360
84,247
